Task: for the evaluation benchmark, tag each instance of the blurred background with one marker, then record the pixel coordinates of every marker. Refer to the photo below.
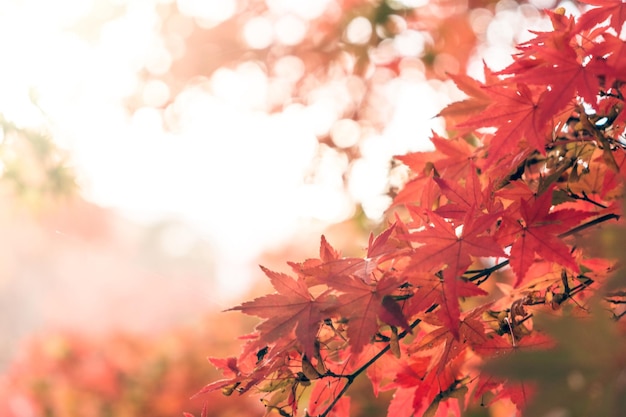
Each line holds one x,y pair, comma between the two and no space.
154,152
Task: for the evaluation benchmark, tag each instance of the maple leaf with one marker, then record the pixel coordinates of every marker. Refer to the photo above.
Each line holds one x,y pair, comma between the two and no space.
383,244
363,304
422,383
327,252
231,371
442,246
384,370
323,394
333,266
551,61
451,159
316,272
519,393
612,10
330,259
429,291
517,116
238,375
466,197
613,50
401,404
495,346
477,102
537,233
422,191
448,346
293,307
429,388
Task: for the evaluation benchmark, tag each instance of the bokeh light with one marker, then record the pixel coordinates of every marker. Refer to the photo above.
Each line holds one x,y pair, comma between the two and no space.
359,30
201,142
258,32
208,13
235,126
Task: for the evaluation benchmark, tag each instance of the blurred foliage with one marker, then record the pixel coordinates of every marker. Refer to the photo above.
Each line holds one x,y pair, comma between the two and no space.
69,374
581,376
32,165
585,373
440,34
342,69
326,49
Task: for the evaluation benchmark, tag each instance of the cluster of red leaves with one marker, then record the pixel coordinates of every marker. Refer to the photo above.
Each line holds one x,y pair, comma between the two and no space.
66,374
493,227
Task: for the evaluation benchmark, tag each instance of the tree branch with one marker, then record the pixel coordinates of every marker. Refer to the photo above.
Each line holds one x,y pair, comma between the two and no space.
369,363
485,273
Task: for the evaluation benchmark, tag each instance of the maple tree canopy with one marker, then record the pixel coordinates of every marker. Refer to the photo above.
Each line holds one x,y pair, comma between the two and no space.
500,264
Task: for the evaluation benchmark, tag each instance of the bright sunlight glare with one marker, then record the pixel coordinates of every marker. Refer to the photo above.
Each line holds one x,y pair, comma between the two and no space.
210,154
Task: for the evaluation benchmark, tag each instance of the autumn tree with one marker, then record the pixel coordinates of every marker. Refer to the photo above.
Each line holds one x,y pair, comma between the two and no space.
499,275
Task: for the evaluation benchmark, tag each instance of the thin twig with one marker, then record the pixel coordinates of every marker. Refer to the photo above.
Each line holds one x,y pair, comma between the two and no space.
352,376
589,224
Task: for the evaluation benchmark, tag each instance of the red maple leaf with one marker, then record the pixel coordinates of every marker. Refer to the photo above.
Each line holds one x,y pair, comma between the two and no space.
448,345
477,101
383,371
331,263
240,374
613,50
363,305
518,392
451,159
323,394
230,369
465,197
613,10
422,191
332,266
429,291
292,308
563,70
385,244
442,246
432,385
401,404
518,116
534,229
